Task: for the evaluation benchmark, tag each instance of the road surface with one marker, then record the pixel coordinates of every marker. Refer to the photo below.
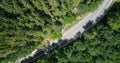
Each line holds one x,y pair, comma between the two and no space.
92,16
71,34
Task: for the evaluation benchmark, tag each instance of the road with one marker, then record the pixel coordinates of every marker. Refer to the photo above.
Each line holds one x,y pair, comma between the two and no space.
92,16
71,34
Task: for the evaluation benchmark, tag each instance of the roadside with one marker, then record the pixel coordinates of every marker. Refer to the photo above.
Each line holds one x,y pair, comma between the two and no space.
79,27
83,12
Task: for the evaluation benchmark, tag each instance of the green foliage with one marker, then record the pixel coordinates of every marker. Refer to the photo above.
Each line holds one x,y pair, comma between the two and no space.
87,6
69,19
114,21
100,44
56,35
80,9
26,24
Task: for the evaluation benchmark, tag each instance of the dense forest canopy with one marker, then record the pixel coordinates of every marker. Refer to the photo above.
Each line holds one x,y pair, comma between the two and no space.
28,24
101,44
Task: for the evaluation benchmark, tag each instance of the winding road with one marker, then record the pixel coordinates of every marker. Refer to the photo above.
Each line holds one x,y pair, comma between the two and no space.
71,34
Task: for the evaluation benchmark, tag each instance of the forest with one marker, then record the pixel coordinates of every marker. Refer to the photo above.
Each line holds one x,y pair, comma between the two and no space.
26,25
100,44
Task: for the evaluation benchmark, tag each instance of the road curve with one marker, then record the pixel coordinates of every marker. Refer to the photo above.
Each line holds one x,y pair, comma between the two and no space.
71,34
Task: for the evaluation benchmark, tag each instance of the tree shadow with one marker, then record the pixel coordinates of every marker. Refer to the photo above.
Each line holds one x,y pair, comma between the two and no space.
49,50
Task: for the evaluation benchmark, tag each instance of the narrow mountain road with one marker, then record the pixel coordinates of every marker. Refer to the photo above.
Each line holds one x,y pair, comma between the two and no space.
91,17
71,34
